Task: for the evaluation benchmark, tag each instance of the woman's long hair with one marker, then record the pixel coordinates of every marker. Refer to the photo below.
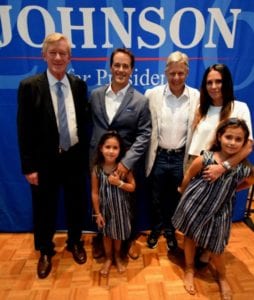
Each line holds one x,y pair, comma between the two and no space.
227,91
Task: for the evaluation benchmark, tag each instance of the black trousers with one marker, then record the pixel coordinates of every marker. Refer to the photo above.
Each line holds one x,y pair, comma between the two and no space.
66,173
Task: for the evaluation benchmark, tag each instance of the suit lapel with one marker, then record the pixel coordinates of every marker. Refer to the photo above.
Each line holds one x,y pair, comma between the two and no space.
102,104
44,94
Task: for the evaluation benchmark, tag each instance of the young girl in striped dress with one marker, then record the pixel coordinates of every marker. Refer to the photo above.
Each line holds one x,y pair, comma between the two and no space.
204,212
111,198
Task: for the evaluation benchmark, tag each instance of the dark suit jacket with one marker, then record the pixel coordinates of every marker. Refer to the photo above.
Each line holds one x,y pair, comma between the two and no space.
37,127
132,121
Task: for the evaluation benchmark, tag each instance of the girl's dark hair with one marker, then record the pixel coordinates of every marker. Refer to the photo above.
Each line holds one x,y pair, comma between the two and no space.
223,125
123,50
99,159
227,91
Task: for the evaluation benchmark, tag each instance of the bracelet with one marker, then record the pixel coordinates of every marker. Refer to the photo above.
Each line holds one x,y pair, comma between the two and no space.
120,184
96,215
226,165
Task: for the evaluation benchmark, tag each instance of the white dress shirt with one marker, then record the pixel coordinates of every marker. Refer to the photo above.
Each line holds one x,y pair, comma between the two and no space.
69,104
174,120
113,101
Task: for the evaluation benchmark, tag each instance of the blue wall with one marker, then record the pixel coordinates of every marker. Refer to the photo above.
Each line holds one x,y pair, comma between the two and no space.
207,31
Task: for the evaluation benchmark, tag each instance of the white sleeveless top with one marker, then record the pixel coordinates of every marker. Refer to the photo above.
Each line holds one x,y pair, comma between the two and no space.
205,131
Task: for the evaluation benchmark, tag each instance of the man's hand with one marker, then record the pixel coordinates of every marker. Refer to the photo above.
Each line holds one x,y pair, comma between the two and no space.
32,178
213,172
121,171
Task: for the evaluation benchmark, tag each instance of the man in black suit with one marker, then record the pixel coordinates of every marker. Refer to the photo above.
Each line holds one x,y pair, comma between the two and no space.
47,163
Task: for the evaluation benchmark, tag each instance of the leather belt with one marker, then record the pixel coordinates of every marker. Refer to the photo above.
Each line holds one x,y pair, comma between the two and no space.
171,151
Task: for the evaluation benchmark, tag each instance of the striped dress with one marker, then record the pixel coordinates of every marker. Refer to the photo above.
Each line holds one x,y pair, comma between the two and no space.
205,210
114,207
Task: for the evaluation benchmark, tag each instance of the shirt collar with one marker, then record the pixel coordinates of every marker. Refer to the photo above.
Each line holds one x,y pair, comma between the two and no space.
122,92
52,80
167,92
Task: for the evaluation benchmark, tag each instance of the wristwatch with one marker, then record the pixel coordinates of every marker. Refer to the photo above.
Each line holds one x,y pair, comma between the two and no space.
226,165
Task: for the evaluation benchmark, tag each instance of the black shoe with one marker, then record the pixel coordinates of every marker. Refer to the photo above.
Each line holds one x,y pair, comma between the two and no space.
78,253
44,266
171,242
152,239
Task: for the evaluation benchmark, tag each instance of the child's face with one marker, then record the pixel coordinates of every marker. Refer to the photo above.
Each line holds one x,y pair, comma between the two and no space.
110,150
232,140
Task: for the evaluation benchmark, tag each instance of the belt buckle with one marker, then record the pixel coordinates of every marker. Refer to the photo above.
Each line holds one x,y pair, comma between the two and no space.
179,150
173,151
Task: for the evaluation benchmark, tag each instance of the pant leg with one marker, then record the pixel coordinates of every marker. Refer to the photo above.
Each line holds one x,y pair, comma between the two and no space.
44,202
171,195
166,176
158,181
74,184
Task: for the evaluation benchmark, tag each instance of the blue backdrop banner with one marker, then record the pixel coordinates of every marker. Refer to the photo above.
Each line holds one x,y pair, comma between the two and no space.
208,32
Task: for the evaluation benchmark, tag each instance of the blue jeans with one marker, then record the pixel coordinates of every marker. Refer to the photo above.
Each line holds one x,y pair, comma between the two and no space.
166,176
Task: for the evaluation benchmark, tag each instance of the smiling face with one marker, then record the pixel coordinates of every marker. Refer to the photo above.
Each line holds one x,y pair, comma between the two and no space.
57,56
232,140
121,71
214,87
110,150
177,73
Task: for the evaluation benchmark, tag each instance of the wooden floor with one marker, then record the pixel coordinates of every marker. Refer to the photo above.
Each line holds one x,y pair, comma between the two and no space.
154,276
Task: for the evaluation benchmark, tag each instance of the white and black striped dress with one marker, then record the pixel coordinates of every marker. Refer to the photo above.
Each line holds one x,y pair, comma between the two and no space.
205,210
114,207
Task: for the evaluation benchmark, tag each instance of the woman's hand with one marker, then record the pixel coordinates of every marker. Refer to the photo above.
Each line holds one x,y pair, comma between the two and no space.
213,172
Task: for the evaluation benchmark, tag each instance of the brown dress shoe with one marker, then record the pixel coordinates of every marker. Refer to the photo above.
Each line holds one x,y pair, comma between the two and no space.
134,251
44,266
78,253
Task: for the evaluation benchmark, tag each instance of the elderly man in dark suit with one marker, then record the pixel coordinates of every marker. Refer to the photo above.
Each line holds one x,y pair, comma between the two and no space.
53,144
120,107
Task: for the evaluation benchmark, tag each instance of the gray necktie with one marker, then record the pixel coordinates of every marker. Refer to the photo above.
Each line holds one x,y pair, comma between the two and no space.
64,135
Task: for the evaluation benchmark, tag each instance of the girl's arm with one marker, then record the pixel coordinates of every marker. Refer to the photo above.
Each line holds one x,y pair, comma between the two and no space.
235,159
96,201
128,184
246,183
215,171
195,167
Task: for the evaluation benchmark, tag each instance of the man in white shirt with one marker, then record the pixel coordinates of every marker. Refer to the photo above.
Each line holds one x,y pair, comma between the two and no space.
172,108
